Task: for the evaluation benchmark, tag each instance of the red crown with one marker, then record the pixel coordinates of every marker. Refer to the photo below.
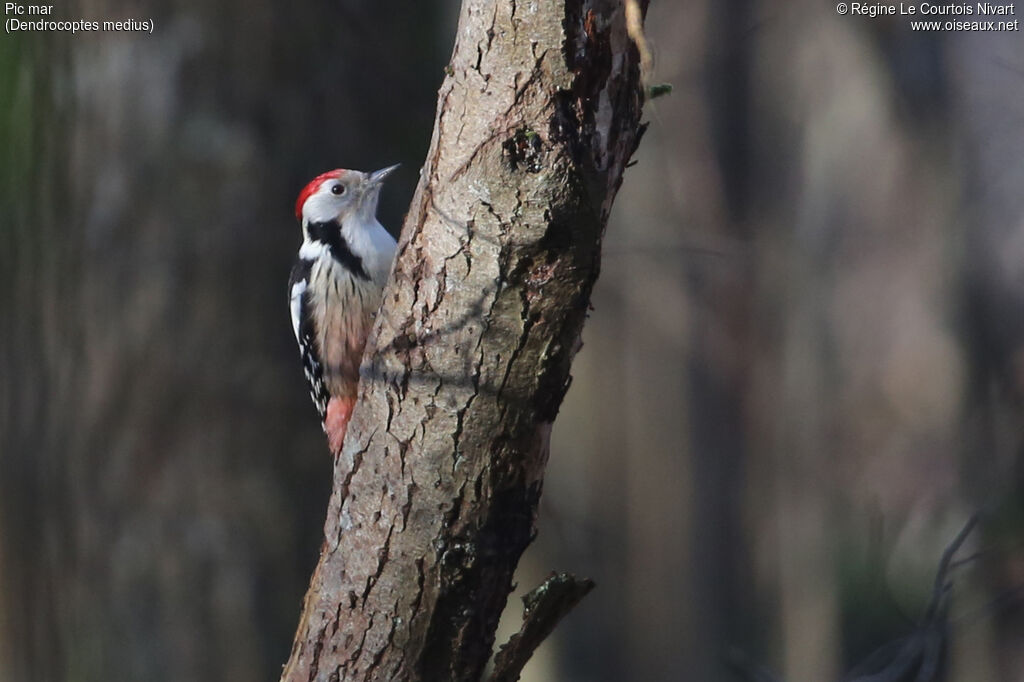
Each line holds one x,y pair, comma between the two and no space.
313,186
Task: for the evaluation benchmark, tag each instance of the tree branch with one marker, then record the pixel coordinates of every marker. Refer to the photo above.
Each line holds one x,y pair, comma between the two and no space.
543,607
436,489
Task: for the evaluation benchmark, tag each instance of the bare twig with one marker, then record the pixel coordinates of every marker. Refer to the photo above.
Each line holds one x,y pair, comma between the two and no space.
542,609
942,584
918,657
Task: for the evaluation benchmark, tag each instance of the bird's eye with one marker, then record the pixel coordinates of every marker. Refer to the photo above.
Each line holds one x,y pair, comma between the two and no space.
338,189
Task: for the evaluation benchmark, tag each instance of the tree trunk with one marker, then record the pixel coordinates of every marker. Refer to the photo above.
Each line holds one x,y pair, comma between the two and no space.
436,490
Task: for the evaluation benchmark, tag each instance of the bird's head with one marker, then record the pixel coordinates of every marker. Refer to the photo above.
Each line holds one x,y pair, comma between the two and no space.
341,194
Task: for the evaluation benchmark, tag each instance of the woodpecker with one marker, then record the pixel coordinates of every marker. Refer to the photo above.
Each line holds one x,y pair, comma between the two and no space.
335,287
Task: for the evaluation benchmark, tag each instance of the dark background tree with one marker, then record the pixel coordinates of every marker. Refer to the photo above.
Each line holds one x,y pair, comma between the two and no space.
802,370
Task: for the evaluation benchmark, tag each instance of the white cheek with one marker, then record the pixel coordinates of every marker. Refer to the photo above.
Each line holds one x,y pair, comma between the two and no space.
322,206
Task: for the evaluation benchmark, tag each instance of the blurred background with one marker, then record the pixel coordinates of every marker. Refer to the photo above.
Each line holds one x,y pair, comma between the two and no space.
803,372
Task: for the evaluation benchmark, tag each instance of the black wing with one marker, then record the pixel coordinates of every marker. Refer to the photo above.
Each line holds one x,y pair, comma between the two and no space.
305,334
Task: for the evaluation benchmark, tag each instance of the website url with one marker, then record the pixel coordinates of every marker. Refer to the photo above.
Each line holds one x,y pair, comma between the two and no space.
953,25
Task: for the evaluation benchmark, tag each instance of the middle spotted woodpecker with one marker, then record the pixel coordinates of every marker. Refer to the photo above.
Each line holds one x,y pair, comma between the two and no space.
335,287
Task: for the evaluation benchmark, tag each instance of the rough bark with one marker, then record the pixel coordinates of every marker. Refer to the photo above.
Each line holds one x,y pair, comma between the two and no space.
435,492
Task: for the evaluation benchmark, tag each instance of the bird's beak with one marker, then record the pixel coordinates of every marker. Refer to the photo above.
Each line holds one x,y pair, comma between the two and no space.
377,177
